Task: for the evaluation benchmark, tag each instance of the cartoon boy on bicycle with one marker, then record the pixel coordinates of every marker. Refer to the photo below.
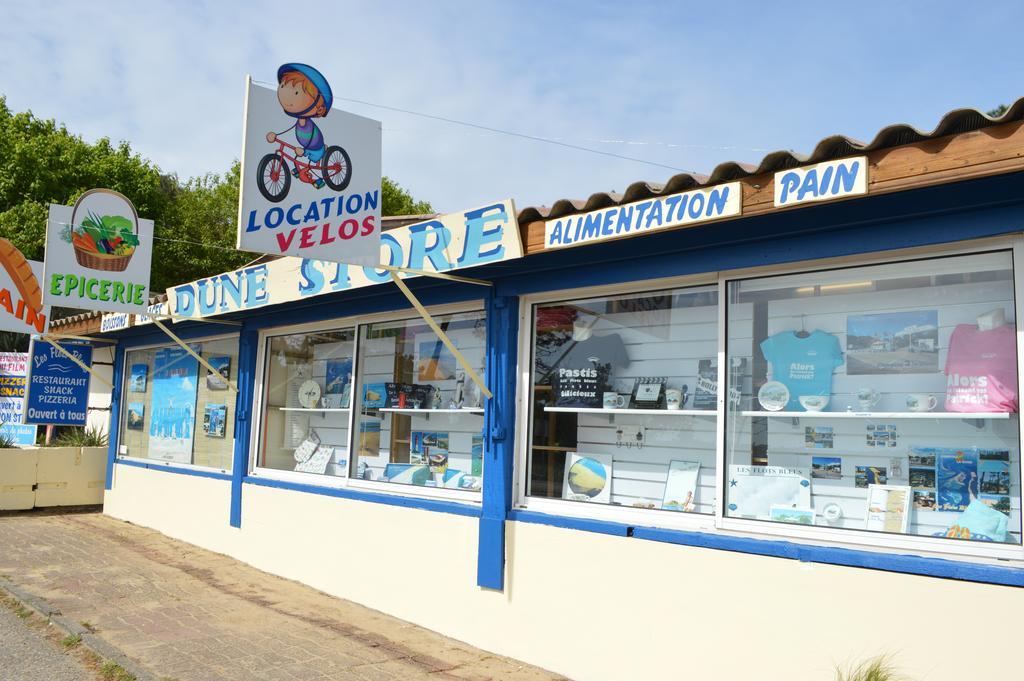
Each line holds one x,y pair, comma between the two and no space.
304,94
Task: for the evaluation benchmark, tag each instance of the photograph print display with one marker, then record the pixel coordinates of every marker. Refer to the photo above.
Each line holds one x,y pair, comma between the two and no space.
338,383
994,471
588,477
957,475
435,361
136,415
215,418
827,467
137,378
753,490
869,475
893,343
219,380
681,487
173,414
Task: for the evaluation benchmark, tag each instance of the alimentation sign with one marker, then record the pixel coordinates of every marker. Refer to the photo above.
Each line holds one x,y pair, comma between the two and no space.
58,389
449,242
631,219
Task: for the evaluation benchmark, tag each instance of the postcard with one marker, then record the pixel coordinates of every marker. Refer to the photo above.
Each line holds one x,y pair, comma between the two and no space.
791,514
892,343
136,414
924,499
922,477
869,475
137,379
218,381
957,474
827,467
818,437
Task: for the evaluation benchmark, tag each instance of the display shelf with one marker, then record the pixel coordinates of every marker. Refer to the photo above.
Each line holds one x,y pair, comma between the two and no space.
882,414
426,413
641,412
316,409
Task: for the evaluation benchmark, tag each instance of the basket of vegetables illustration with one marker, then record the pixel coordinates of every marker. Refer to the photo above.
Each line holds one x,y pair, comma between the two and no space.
102,242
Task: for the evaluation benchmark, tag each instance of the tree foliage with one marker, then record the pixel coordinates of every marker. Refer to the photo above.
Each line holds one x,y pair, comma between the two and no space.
998,111
42,162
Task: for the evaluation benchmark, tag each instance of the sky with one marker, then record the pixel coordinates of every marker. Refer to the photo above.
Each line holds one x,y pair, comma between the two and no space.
681,85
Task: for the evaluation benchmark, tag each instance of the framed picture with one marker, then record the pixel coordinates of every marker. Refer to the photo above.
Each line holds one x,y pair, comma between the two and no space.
893,343
436,362
827,467
588,477
753,490
791,514
137,378
681,487
215,418
136,415
219,380
888,508
648,393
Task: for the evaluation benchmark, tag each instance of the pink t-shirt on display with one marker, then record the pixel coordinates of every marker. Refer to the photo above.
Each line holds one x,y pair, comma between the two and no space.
981,369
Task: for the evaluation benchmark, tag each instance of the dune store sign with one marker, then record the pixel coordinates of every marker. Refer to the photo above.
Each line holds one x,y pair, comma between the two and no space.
98,254
449,242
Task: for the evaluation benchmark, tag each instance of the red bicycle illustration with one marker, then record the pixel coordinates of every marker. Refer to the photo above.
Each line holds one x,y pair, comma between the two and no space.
275,174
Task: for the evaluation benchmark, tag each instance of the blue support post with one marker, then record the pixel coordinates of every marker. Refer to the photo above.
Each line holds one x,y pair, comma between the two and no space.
114,431
248,345
499,438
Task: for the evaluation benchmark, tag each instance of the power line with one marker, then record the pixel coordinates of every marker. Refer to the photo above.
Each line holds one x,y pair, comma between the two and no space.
512,133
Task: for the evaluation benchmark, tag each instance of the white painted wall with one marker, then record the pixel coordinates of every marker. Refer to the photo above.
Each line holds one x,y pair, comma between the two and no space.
590,606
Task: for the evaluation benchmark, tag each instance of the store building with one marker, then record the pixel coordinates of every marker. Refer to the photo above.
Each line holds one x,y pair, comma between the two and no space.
610,513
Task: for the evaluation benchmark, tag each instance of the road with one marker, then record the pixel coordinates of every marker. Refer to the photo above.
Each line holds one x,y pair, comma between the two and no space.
26,656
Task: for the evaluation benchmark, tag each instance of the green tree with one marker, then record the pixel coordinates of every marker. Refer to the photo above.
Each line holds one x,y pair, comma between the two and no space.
397,201
998,111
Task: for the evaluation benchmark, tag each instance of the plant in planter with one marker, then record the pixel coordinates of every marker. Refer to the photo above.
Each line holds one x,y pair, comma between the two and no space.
81,437
876,669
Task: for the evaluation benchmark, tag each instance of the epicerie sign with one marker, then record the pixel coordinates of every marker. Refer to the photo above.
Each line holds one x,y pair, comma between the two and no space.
311,175
98,254
58,389
699,205
449,242
822,182
13,368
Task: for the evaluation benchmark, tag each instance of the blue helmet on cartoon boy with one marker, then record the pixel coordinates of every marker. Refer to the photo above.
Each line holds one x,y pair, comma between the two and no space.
316,78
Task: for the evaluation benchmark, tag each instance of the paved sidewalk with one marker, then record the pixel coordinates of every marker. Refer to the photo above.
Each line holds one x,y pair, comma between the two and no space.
188,614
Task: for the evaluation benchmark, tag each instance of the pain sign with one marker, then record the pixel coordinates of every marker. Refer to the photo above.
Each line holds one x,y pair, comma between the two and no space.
822,182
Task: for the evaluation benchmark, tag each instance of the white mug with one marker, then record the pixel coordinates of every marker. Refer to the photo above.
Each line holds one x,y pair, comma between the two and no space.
614,401
921,402
867,398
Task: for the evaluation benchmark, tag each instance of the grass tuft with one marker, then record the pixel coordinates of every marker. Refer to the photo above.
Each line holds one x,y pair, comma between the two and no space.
876,669
112,671
71,640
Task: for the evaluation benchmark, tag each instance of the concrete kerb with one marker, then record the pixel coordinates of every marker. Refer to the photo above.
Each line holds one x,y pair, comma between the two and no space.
90,640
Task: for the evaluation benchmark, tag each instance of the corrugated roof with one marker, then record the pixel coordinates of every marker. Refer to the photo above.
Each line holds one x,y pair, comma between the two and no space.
836,146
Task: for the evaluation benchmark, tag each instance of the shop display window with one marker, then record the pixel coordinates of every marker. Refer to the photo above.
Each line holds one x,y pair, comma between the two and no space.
625,399
420,418
176,410
881,398
307,401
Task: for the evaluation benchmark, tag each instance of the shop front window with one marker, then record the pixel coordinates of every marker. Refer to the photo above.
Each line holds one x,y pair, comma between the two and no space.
307,400
878,398
625,399
420,418
176,410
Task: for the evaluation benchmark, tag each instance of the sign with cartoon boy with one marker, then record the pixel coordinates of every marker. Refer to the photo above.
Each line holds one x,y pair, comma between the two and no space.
98,254
310,173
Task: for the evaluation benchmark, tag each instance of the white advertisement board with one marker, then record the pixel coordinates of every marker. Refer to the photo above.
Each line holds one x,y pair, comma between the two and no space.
21,299
311,174
98,254
13,369
822,182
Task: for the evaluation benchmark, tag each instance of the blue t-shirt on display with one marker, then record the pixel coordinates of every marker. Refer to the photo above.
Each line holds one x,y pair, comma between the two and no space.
804,365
